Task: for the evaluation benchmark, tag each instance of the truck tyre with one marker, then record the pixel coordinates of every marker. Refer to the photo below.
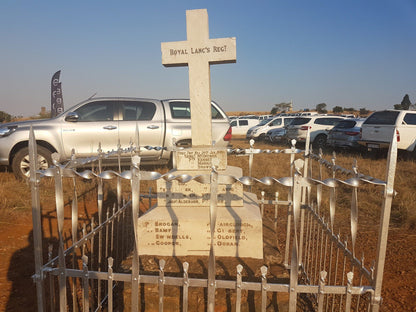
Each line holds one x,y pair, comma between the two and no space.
319,141
21,163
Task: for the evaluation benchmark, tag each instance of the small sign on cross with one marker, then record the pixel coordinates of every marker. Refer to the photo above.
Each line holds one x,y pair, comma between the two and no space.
198,52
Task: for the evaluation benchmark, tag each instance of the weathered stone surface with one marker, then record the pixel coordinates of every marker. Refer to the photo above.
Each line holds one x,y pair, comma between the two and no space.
201,159
185,231
194,193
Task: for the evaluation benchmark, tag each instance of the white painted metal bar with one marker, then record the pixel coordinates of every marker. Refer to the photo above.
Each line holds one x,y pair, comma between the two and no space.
212,222
36,219
185,299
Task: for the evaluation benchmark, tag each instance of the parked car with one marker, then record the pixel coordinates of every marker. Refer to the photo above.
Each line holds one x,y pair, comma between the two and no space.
263,117
107,121
319,126
377,130
346,133
259,131
241,125
276,135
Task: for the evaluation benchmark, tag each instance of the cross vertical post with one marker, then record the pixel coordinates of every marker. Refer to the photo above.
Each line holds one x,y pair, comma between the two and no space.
198,52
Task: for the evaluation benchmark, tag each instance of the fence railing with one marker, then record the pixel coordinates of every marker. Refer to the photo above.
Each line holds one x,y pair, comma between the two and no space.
325,273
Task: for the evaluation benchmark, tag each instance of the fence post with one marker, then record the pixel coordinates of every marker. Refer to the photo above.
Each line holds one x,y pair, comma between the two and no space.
59,199
135,186
350,276
185,286
294,264
110,284
85,292
212,221
36,219
74,220
161,283
264,288
384,223
238,290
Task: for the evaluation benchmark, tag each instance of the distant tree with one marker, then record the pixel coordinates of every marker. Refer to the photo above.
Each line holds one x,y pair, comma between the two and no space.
4,117
321,108
406,102
337,109
44,113
349,109
274,111
281,107
364,111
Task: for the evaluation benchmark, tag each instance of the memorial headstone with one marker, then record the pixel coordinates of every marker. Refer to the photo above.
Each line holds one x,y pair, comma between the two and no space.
180,223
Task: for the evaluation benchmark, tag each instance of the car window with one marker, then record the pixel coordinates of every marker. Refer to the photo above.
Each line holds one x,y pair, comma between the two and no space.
243,122
276,122
215,113
410,119
182,110
382,118
288,121
96,111
327,121
300,121
133,110
233,123
345,124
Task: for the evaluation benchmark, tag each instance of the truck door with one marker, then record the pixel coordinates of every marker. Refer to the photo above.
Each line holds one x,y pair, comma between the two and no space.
149,118
94,124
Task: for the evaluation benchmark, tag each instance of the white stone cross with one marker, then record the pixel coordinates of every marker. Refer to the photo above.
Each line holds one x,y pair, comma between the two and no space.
198,53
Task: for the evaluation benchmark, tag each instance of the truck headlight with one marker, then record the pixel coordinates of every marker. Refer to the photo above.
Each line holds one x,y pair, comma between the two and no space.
5,131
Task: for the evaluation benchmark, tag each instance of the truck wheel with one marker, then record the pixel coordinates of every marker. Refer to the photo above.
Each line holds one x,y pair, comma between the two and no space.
21,163
319,141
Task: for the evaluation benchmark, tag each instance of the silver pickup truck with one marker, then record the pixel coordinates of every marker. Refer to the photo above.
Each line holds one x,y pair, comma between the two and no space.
107,121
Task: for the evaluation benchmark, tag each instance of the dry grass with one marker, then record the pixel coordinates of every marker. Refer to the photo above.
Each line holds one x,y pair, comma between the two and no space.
370,197
15,197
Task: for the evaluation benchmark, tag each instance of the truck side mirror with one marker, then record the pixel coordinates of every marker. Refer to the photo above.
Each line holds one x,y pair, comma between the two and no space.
72,117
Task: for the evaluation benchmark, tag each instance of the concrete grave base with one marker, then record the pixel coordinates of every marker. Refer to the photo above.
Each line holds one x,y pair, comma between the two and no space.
185,231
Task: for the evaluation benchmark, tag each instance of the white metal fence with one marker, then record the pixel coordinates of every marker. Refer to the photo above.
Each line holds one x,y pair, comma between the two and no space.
325,274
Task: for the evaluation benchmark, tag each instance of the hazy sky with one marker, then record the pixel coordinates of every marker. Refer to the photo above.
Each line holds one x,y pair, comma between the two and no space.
349,53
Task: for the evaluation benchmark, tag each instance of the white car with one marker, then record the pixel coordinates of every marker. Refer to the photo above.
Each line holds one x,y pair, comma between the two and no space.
319,126
377,130
241,125
259,132
276,135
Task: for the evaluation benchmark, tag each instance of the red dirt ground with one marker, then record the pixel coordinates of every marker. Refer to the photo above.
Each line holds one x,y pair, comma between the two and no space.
18,293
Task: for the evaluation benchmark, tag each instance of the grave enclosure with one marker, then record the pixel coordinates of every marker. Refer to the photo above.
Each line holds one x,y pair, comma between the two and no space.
205,209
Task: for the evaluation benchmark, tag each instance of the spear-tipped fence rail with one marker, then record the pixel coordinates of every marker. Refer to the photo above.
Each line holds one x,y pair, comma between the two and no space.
323,269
